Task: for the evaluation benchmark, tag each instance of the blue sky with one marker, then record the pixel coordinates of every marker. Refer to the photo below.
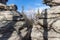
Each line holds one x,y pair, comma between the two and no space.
28,4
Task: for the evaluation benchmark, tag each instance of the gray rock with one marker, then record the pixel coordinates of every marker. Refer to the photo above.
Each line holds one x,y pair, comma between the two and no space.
52,2
13,24
47,26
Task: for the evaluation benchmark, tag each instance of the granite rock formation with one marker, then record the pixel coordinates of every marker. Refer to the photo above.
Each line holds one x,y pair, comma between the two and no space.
47,27
13,24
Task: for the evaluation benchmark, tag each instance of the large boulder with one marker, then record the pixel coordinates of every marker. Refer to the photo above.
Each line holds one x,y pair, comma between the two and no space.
10,21
52,2
14,26
47,27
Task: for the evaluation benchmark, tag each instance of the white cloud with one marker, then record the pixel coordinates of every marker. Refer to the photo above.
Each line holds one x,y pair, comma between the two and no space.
31,13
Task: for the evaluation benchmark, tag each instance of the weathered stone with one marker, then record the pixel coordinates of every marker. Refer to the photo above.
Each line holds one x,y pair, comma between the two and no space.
47,26
53,28
52,2
13,25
